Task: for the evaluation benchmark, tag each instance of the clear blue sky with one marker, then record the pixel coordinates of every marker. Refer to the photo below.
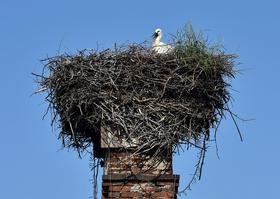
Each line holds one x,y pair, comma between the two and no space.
33,166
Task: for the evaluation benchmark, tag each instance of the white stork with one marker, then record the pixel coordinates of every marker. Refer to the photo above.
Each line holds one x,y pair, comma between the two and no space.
158,46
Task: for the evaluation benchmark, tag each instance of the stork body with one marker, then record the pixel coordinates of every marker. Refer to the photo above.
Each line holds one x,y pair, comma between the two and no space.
158,46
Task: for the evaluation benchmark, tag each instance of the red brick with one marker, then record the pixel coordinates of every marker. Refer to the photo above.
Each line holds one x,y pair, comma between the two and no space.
117,182
129,194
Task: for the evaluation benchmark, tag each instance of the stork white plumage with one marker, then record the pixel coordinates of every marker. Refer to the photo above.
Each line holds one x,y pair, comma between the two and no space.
158,46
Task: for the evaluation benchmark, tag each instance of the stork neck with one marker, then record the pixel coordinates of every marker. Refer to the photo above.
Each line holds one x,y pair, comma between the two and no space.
157,40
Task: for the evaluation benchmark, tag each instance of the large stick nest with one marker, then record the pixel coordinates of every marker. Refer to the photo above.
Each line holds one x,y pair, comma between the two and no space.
152,101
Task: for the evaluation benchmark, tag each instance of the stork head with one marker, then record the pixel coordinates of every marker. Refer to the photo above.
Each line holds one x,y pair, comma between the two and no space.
157,33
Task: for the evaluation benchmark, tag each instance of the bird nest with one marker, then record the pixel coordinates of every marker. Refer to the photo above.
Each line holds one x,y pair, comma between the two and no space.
150,100
155,102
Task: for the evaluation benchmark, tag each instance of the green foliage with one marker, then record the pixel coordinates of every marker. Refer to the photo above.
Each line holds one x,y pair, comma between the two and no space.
193,46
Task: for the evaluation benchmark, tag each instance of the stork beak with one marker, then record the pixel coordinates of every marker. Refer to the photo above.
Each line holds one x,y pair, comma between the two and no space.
155,35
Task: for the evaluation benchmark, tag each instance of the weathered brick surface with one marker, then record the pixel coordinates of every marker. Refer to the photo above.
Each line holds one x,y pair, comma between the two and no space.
128,163
127,176
140,189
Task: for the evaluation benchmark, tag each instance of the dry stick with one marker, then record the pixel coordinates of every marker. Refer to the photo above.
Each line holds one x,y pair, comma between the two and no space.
197,172
235,123
203,157
96,170
215,137
76,142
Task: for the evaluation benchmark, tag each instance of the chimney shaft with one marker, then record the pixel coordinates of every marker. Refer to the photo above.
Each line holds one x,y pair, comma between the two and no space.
127,175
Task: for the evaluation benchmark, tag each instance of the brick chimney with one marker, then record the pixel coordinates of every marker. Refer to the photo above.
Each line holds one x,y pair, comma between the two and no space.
130,176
